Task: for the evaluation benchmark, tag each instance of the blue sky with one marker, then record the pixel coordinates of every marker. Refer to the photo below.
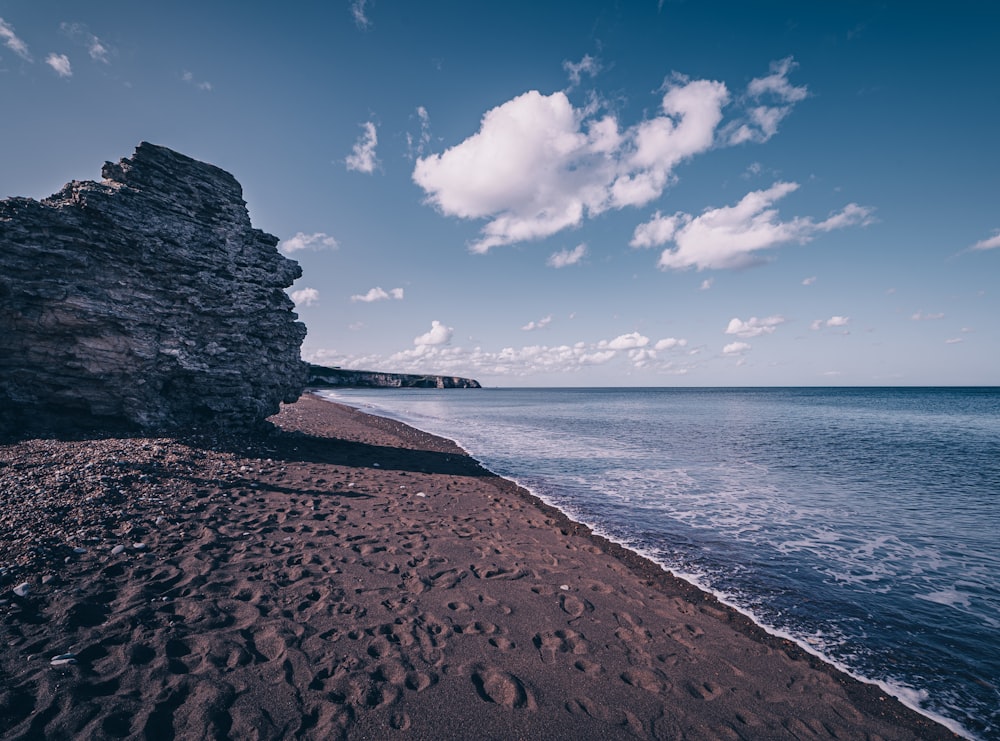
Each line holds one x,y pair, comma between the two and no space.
568,193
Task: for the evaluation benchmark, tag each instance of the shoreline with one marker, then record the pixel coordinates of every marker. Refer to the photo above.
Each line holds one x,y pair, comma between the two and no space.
898,693
625,553
352,576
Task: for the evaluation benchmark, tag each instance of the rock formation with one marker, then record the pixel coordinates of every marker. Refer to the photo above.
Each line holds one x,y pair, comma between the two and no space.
146,301
320,376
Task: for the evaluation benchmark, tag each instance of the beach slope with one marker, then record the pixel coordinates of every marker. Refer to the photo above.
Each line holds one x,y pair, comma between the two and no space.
347,576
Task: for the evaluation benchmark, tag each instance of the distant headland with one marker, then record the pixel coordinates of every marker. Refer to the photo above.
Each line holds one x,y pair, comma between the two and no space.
324,377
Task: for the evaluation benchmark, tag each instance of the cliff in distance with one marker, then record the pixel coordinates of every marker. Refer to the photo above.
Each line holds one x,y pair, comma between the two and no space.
145,301
321,376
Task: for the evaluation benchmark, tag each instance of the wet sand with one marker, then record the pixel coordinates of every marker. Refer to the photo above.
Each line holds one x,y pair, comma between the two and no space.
347,576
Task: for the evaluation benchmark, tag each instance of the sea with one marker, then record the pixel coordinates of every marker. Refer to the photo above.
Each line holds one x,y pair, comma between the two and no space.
862,523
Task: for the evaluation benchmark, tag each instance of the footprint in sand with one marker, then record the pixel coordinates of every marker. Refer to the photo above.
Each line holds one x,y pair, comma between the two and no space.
502,688
587,706
561,641
590,668
645,679
574,606
704,691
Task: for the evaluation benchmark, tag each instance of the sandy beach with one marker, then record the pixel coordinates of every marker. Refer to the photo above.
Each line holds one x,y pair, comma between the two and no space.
347,576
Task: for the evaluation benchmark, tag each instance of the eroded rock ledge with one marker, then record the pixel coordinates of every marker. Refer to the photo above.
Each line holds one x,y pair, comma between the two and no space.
146,301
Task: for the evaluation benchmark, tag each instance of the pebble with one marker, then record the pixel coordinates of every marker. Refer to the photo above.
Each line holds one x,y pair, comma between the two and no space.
79,550
421,494
117,549
139,546
22,589
63,660
564,587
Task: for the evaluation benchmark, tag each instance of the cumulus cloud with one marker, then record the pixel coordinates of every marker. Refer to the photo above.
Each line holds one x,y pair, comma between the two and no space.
362,157
657,231
439,334
301,241
530,359
60,63
305,296
707,284
834,321
96,48
731,236
625,342
588,65
768,101
538,165
540,324
754,327
565,258
669,343
379,294
809,281
736,348
989,243
12,42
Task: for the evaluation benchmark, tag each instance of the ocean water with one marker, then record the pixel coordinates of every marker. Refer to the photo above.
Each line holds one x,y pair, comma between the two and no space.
862,523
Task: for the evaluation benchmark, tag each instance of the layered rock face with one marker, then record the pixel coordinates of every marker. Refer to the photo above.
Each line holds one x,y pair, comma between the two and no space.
146,301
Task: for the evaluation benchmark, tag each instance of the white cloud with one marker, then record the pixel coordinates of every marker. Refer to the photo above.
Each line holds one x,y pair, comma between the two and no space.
300,241
416,148
707,284
736,348
834,321
60,63
96,48
989,243
538,165
360,14
625,342
565,258
439,334
655,232
12,42
769,100
362,157
809,281
378,294
189,78
754,327
953,340
540,324
730,236
524,361
669,343
922,317
305,297
588,65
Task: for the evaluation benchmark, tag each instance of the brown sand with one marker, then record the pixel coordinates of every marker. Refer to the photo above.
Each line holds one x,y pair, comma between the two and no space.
350,577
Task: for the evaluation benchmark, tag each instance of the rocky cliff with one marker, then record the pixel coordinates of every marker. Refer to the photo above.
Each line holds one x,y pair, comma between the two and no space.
321,376
145,301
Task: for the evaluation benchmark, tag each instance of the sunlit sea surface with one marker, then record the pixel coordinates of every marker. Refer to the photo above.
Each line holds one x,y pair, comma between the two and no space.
862,523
